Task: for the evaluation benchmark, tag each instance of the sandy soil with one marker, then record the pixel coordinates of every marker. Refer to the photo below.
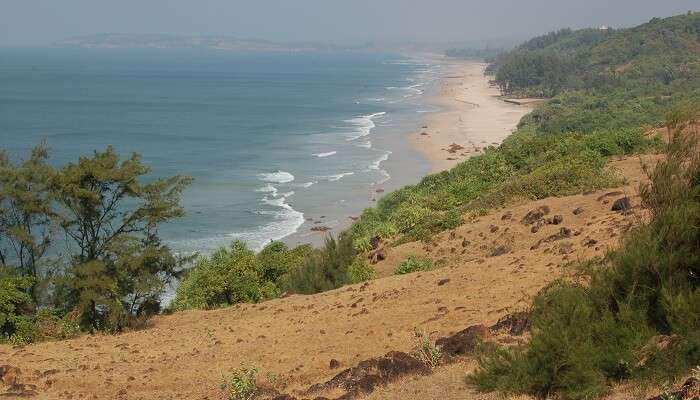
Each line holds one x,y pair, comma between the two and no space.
294,339
474,117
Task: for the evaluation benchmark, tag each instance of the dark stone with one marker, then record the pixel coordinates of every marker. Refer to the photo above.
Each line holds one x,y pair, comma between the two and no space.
578,210
514,324
369,374
622,204
535,229
378,256
499,251
557,219
493,229
465,243
564,233
375,242
535,215
334,364
443,281
506,216
463,342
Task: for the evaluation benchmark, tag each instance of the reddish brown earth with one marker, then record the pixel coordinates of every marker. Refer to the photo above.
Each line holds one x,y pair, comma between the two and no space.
494,265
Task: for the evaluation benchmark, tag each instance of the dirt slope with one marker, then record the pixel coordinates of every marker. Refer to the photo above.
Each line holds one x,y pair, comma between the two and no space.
182,356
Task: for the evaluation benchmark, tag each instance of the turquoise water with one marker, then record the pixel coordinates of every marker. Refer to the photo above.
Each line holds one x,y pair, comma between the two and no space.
276,143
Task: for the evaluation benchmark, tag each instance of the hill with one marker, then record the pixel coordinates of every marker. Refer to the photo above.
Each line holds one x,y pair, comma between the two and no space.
562,263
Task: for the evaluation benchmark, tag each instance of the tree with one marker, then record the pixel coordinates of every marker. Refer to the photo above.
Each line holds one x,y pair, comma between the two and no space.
25,211
111,220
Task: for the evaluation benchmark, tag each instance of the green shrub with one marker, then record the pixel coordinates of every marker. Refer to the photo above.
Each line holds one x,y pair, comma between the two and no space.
426,351
237,275
414,264
16,308
240,384
325,268
360,271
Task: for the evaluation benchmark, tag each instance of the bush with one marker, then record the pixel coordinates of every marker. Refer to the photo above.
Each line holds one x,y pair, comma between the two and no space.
414,264
240,384
325,268
237,275
586,335
16,308
426,351
360,271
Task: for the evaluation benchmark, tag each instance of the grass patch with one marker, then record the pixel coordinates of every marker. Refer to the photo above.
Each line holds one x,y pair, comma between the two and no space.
414,264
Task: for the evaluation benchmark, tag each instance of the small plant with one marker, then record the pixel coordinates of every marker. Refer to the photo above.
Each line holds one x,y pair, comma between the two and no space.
360,271
425,350
667,392
414,264
695,373
240,384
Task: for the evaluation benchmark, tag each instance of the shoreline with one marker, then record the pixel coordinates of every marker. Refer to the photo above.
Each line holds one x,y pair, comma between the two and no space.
474,116
471,116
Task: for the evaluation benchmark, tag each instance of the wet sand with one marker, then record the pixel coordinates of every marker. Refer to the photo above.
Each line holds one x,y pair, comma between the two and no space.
474,116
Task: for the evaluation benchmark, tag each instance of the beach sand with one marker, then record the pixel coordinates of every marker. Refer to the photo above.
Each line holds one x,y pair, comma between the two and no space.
474,116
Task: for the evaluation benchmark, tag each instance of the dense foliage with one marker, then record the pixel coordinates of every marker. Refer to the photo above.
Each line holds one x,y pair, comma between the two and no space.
79,244
238,275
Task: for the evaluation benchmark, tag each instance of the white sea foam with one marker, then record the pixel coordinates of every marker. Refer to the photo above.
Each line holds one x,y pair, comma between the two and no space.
323,155
366,145
375,165
276,177
334,178
363,125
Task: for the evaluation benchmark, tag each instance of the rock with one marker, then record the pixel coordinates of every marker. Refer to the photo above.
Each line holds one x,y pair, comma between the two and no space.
454,147
506,216
334,364
564,233
609,194
557,219
443,281
535,229
589,242
690,390
465,243
375,242
499,251
535,215
493,228
514,324
424,133
578,210
9,374
377,256
464,342
622,204
657,344
369,374
379,190
320,229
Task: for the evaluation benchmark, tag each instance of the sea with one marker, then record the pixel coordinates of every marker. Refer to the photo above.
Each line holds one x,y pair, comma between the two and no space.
281,146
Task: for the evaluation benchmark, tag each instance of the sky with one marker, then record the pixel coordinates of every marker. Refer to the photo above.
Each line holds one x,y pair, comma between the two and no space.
41,22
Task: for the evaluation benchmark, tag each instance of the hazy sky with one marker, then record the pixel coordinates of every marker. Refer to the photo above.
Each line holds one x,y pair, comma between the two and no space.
38,22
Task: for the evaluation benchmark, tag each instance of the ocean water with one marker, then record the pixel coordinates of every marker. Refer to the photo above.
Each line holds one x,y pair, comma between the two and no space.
276,143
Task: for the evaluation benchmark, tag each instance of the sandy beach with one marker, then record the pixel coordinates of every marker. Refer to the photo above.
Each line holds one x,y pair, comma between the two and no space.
474,116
